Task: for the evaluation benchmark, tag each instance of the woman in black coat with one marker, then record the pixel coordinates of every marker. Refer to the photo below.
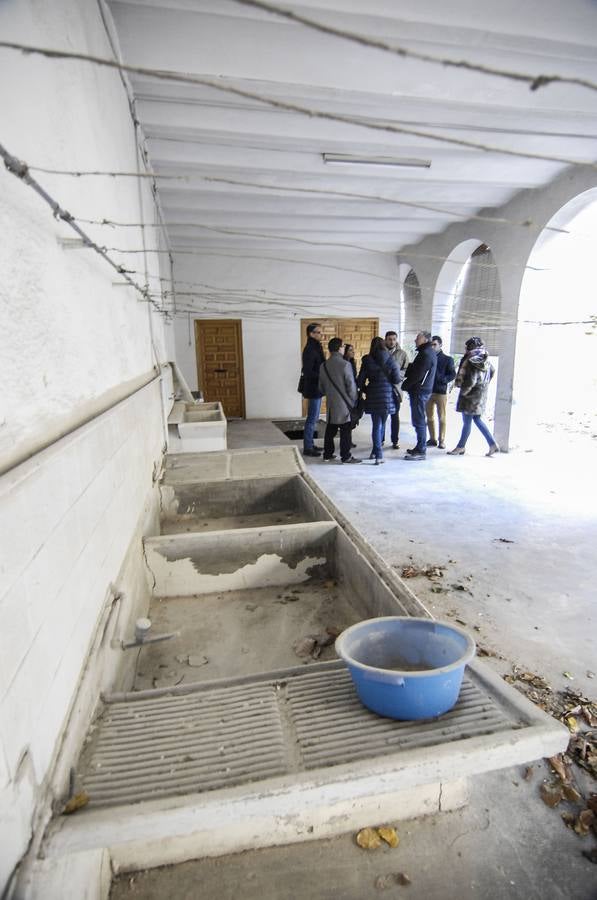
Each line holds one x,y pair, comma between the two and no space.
378,373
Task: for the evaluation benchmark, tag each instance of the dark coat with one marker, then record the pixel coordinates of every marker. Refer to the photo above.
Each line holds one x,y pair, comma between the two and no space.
420,375
444,374
376,378
473,379
313,356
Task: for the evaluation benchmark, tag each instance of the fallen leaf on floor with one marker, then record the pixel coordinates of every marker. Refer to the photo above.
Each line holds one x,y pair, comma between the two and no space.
458,587
77,801
313,644
572,724
571,794
402,878
584,822
388,834
504,540
528,773
551,794
428,571
368,839
436,589
568,675
460,621
561,768
484,651
568,819
590,674
197,661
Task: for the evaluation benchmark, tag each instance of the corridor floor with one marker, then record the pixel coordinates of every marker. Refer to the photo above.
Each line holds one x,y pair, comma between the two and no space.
515,538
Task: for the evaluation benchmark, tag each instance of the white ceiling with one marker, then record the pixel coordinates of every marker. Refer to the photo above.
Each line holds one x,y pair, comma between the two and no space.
203,132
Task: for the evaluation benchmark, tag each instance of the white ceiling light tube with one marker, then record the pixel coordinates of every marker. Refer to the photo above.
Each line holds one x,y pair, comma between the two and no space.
352,160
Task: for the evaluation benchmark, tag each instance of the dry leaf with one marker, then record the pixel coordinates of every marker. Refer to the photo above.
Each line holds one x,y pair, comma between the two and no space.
368,839
388,834
402,878
551,794
560,767
571,794
77,801
584,822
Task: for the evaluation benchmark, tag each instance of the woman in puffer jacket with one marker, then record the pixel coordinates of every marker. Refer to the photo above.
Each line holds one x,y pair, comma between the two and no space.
474,374
377,375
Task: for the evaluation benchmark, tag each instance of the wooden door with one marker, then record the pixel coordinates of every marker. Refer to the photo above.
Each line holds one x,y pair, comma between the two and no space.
219,348
358,332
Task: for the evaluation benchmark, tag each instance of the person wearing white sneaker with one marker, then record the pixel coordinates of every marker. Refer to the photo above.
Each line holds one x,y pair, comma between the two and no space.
474,374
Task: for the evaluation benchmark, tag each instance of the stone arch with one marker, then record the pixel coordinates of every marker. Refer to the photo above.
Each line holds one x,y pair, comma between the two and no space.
411,304
467,297
557,329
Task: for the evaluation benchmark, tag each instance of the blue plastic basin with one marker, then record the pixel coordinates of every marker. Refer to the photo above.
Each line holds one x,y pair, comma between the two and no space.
406,668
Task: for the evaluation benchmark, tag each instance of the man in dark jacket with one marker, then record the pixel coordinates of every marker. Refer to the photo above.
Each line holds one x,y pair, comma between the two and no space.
420,376
313,356
445,373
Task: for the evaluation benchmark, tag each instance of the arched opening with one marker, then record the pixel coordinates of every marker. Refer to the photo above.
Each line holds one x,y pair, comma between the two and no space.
467,301
467,298
411,305
555,372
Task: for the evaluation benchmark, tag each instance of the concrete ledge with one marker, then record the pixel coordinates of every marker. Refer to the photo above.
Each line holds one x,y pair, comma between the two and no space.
84,875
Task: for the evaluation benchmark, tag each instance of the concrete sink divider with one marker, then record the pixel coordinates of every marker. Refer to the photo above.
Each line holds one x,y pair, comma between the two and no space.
267,754
196,427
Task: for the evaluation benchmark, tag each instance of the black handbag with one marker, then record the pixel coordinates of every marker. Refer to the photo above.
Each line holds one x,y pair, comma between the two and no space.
301,384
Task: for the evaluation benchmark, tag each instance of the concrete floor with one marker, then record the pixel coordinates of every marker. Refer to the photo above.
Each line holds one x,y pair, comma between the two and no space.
517,536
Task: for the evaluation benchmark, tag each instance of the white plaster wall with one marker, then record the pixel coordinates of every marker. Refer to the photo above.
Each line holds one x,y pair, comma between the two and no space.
68,334
302,285
71,343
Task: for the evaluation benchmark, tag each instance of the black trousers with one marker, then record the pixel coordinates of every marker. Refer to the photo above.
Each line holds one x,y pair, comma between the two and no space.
345,440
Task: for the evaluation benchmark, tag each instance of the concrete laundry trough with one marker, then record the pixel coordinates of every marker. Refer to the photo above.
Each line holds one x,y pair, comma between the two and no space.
196,427
224,737
256,502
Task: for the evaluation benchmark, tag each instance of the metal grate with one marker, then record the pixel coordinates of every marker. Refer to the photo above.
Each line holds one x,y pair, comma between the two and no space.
250,729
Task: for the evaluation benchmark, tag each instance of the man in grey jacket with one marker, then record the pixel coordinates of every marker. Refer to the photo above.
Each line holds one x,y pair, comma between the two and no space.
336,381
401,359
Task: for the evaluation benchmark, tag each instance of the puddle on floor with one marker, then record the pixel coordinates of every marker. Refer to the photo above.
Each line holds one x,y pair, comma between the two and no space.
235,633
183,524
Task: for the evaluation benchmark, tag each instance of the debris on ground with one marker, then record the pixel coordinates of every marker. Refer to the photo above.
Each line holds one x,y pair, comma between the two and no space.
371,838
313,644
431,572
368,839
485,651
197,661
77,801
388,834
504,541
383,882
402,878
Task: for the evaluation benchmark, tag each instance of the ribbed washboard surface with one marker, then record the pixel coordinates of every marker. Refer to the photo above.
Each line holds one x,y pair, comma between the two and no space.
251,729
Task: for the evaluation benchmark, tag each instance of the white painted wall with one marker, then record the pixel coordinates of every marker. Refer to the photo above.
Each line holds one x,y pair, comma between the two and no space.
301,285
71,345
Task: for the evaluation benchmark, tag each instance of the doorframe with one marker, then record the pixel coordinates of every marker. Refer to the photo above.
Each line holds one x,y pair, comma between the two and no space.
241,362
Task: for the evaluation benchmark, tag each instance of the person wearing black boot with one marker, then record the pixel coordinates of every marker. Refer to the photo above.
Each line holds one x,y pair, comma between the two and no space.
418,383
444,375
313,356
379,373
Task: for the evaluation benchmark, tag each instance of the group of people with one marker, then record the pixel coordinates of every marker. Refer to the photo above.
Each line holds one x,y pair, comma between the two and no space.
379,387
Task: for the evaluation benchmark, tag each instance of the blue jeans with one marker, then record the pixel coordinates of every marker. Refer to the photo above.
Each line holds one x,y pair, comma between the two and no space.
378,427
467,424
311,421
418,417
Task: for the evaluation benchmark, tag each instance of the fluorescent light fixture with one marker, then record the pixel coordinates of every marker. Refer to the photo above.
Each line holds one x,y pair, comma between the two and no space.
344,159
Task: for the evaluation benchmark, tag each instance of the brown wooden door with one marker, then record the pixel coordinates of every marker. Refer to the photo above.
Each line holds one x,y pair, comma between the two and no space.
219,348
358,332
